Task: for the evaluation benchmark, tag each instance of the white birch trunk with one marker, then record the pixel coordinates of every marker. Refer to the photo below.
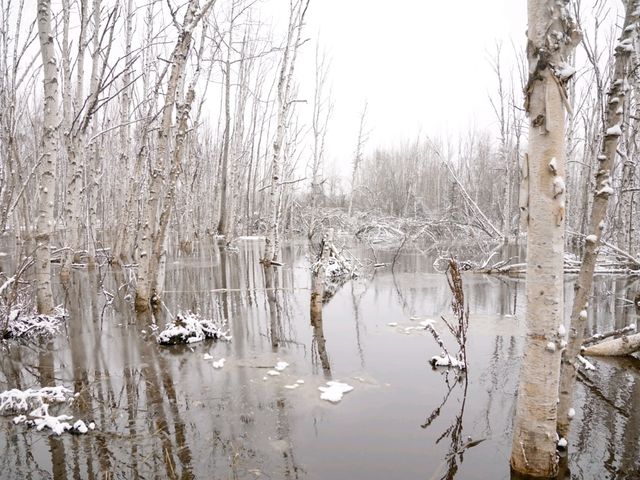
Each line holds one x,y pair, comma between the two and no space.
121,250
534,438
74,145
358,158
296,19
152,240
46,187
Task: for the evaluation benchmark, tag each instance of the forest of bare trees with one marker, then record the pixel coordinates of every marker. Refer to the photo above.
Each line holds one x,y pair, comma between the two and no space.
152,141
134,133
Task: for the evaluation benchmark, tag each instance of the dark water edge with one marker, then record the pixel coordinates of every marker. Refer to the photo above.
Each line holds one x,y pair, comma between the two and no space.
167,413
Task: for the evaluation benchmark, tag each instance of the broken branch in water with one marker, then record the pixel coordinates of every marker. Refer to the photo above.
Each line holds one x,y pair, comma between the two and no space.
459,329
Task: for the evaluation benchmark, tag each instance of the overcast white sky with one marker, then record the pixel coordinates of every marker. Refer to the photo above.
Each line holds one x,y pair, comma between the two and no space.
423,65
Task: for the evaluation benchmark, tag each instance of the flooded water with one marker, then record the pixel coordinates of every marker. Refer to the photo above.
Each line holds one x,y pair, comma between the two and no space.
167,413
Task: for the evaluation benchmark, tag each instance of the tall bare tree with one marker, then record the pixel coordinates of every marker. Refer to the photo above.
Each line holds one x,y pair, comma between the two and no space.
153,235
322,108
47,186
616,96
552,35
357,159
297,12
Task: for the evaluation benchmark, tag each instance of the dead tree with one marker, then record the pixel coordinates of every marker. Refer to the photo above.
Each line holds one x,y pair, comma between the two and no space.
285,101
152,236
357,160
603,190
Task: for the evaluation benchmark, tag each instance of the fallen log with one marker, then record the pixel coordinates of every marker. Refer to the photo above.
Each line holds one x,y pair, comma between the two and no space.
625,345
599,337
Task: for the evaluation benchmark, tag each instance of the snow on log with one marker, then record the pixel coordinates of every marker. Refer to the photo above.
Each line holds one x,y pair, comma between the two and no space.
18,401
25,324
624,345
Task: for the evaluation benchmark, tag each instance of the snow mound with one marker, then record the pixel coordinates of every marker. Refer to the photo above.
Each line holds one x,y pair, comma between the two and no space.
444,360
18,401
21,324
190,328
41,419
334,391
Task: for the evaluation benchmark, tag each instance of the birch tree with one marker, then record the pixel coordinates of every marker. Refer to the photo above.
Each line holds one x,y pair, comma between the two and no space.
357,160
322,108
46,187
16,72
153,239
297,12
223,226
552,35
616,96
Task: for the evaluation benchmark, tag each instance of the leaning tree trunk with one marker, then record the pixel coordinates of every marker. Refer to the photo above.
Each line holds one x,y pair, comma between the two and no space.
552,34
147,263
153,234
46,188
603,190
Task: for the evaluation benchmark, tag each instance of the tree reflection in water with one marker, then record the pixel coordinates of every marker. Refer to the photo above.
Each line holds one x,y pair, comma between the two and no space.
167,413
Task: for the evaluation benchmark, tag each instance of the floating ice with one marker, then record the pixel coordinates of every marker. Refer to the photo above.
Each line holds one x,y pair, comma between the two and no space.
293,386
551,347
273,373
562,331
206,356
571,413
280,366
392,324
300,382
334,391
562,443
219,363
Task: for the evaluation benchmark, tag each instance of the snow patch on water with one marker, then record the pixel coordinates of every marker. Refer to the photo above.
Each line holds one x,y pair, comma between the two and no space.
219,363
334,391
280,366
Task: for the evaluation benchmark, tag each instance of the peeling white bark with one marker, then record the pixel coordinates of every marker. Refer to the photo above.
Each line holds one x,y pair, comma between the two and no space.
552,35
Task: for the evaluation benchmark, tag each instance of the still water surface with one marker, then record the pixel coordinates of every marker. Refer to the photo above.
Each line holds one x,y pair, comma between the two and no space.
167,413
